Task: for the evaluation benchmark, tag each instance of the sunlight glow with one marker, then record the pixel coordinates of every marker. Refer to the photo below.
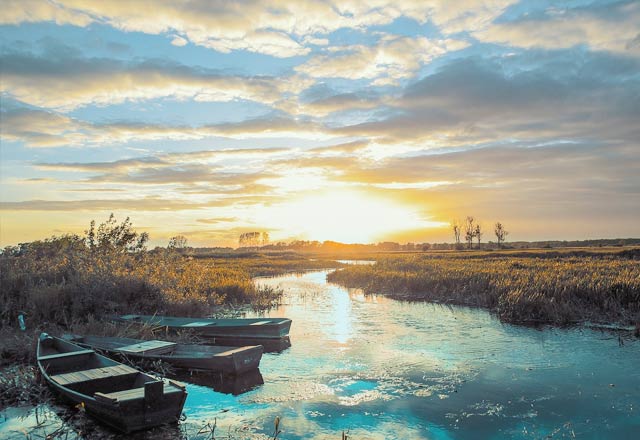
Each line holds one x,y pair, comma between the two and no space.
345,216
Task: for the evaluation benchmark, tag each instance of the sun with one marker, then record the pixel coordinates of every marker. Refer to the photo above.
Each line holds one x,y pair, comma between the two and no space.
346,216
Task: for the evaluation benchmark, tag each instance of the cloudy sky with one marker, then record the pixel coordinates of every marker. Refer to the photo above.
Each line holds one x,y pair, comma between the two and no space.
320,119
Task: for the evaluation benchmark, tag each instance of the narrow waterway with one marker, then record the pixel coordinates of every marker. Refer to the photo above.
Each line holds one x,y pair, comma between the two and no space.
377,368
381,369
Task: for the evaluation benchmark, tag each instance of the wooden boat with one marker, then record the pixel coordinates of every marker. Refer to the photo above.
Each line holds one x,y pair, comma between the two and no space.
226,360
115,394
256,328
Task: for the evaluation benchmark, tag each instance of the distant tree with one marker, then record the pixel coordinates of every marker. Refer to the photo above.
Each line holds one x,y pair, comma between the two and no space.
469,230
501,233
388,246
177,242
455,225
253,239
478,233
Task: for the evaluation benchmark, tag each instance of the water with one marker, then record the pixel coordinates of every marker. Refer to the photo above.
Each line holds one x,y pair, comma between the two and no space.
377,368
380,368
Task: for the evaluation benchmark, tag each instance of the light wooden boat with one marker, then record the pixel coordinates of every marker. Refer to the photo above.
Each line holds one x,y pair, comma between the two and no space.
256,328
115,394
226,360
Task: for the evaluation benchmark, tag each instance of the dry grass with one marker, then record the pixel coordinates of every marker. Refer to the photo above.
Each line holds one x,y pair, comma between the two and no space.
534,288
56,284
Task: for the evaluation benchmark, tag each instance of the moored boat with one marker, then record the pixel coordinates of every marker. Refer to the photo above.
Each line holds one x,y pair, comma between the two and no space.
226,360
115,394
255,328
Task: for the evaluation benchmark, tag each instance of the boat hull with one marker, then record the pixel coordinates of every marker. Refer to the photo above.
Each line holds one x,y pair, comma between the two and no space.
114,394
256,328
225,360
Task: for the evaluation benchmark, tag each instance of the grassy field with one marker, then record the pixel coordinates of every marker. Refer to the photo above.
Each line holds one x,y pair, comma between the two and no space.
529,287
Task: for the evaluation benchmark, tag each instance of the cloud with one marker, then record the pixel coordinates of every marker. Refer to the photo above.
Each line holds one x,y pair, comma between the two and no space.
476,101
138,204
613,27
66,81
393,58
340,102
33,11
179,41
282,30
167,160
43,128
40,128
218,220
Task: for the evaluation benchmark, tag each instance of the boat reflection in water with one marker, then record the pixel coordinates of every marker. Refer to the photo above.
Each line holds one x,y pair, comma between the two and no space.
234,385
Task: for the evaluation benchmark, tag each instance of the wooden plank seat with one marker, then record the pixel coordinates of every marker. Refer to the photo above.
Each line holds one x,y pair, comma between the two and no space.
149,347
64,355
66,379
133,393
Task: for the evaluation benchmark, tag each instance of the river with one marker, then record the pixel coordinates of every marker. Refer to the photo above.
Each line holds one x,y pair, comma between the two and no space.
376,368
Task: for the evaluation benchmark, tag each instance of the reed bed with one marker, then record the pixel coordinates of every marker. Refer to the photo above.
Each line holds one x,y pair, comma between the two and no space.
273,264
528,290
54,282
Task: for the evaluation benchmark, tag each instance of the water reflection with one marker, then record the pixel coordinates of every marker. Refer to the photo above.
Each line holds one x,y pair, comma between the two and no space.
381,369
387,369
234,385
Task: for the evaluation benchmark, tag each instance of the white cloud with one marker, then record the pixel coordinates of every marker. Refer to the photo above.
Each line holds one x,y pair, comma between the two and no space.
612,29
254,25
65,82
179,41
393,58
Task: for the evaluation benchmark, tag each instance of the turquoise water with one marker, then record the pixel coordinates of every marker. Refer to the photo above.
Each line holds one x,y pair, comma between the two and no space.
376,368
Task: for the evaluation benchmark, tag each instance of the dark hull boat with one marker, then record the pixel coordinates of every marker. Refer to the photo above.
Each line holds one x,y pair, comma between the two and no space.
115,394
256,328
226,360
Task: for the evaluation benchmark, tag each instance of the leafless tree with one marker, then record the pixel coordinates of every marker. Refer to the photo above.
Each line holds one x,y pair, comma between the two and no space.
455,225
469,230
501,233
178,242
478,233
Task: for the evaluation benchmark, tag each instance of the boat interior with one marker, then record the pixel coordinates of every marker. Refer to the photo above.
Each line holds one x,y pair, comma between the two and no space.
86,372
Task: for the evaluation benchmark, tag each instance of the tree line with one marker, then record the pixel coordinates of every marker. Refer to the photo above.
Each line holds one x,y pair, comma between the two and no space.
473,231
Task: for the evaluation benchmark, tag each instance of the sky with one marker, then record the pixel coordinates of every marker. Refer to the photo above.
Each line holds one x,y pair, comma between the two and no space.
320,120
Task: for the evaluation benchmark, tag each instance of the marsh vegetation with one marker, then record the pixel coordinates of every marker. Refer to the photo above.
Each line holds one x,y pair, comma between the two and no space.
524,287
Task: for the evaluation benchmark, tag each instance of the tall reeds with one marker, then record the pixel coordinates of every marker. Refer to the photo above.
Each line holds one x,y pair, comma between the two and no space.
559,290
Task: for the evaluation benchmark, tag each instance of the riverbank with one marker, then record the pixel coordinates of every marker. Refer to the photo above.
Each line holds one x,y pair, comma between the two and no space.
536,287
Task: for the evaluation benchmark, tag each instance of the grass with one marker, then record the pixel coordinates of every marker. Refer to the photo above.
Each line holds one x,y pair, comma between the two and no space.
50,283
273,263
529,287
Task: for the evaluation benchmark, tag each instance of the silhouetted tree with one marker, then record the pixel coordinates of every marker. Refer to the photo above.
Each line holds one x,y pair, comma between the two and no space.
455,225
177,242
501,233
478,233
253,239
469,231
